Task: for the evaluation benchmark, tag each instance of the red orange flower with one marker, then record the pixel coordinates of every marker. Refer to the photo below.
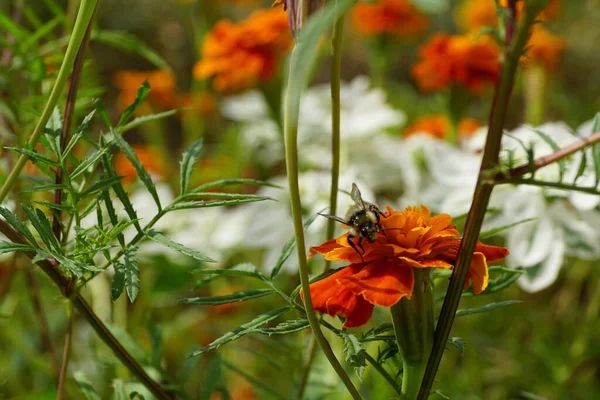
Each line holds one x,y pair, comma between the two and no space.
462,59
240,56
396,17
544,48
384,273
162,87
439,126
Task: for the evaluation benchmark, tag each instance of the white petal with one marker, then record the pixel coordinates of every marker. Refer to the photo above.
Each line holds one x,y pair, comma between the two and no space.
542,276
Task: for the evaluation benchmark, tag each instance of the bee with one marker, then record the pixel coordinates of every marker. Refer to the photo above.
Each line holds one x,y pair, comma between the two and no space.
362,220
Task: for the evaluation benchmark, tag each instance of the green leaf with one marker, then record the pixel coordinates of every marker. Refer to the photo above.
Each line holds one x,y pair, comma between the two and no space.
581,169
245,269
140,98
219,195
495,231
458,342
288,248
187,164
118,281
129,43
561,162
243,330
9,247
189,205
165,241
45,188
212,379
78,134
487,307
146,118
10,26
100,186
35,156
139,168
120,392
42,226
18,225
596,148
355,354
187,366
285,327
53,206
110,210
230,298
86,386
92,158
230,182
130,272
101,110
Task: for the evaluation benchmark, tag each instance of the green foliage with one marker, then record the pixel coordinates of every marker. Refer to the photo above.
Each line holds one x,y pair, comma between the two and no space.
230,298
355,354
190,156
288,248
158,238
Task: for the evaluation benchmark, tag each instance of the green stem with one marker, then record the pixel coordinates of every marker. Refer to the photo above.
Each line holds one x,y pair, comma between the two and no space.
292,110
84,17
62,378
481,197
336,67
413,327
383,372
535,79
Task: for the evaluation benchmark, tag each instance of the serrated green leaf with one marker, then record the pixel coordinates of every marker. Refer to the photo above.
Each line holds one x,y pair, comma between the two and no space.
165,241
355,354
118,281
130,272
245,269
140,98
35,156
146,118
86,386
77,135
187,164
112,215
137,165
129,43
100,186
53,206
230,182
9,247
18,225
196,196
243,330
101,110
92,158
285,327
487,307
288,248
581,169
190,205
45,188
495,231
458,342
43,227
230,298
562,166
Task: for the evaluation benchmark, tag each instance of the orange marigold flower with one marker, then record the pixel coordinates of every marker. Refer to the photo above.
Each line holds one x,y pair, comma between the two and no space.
396,17
463,59
239,56
475,14
439,126
203,103
150,158
544,48
384,273
162,87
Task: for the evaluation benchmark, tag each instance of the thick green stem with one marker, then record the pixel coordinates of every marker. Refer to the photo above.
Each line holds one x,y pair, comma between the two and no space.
292,111
336,68
413,327
482,194
84,17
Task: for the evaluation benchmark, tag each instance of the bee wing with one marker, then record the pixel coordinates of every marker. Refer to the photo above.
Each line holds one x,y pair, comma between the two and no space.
333,217
356,196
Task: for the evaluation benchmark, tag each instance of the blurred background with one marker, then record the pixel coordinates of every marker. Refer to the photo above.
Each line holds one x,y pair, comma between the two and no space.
222,63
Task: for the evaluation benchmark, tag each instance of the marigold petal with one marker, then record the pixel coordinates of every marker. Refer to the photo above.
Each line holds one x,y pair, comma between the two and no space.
382,283
355,309
324,248
436,264
492,253
323,290
478,273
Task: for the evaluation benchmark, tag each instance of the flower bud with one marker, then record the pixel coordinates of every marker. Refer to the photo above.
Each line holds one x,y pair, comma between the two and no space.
296,13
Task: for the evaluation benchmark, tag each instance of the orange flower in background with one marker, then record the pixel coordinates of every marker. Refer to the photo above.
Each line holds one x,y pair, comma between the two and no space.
150,158
544,48
384,273
162,87
240,56
203,103
396,17
472,15
465,60
439,126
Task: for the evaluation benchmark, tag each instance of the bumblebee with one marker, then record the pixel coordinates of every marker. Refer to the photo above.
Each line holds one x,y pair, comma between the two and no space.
362,220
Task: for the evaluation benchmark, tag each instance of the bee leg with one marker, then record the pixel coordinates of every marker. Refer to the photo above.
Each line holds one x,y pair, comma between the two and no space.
351,243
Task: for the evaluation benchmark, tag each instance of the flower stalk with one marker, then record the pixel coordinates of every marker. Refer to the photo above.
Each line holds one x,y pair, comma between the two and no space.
413,328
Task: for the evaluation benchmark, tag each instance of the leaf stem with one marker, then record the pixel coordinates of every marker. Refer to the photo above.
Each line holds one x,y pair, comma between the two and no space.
482,193
86,12
62,377
292,111
383,372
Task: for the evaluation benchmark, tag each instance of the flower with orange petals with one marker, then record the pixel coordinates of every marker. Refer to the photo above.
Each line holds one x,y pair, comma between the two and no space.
439,126
544,48
150,158
383,273
240,56
465,60
395,17
162,87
